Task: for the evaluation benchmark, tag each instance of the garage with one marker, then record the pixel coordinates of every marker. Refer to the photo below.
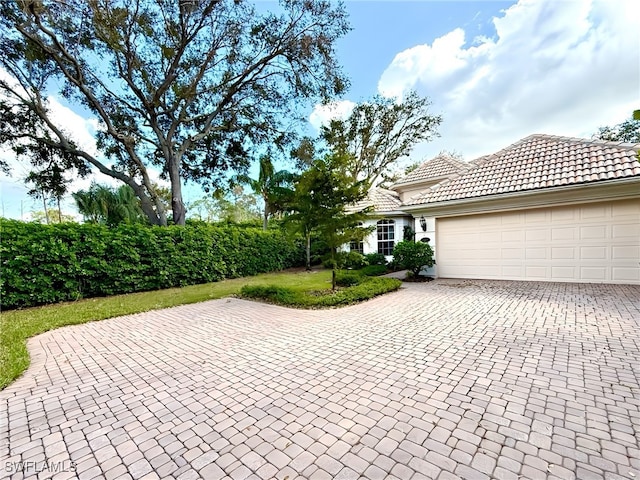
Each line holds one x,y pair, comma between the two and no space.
588,242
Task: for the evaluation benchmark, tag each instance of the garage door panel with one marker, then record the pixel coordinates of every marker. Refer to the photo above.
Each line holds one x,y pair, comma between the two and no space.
595,212
562,216
591,232
563,273
535,216
511,219
563,233
594,274
512,236
512,271
536,253
593,253
625,253
626,231
535,272
626,275
563,253
590,243
511,254
629,210
537,235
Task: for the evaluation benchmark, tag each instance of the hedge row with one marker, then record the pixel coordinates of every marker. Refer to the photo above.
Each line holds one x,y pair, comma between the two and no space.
52,263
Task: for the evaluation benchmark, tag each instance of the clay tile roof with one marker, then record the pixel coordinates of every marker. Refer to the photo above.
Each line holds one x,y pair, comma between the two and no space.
536,162
440,166
381,200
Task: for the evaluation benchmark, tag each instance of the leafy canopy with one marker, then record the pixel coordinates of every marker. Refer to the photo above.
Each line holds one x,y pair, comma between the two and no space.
180,86
413,256
379,132
326,201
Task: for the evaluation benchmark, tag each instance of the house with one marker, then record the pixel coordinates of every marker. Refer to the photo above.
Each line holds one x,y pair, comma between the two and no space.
545,208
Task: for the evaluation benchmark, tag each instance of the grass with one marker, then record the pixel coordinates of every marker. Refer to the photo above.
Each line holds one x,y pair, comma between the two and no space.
356,289
16,326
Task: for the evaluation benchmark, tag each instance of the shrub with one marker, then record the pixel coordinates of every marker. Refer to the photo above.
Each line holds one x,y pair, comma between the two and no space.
348,260
367,289
53,263
355,261
375,259
348,279
374,270
413,256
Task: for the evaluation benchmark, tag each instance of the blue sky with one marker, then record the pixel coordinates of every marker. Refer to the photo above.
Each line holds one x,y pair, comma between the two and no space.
496,71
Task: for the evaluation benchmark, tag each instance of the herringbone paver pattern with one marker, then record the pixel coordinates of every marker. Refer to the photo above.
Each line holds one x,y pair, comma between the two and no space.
444,380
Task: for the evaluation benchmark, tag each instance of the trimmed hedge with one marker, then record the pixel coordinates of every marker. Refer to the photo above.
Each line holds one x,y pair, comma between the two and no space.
52,263
369,287
374,270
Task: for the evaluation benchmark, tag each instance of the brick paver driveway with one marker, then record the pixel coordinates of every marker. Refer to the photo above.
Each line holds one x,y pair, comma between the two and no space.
450,379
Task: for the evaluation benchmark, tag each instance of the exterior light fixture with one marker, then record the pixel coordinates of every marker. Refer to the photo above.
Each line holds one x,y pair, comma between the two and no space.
423,223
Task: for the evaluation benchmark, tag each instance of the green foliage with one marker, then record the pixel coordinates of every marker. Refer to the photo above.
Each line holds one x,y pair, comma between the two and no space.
109,206
408,234
375,259
292,297
348,278
52,263
627,131
355,260
374,270
275,188
321,200
379,132
184,87
348,260
413,256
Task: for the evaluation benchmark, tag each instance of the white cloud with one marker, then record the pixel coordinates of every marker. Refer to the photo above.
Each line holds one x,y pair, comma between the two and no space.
555,67
323,113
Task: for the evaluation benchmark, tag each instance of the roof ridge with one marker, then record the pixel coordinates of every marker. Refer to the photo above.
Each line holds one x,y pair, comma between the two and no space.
452,160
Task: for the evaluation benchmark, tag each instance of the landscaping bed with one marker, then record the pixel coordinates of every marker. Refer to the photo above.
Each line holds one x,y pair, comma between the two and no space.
353,287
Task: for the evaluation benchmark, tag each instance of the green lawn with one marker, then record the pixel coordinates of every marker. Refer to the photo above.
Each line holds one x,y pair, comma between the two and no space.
16,326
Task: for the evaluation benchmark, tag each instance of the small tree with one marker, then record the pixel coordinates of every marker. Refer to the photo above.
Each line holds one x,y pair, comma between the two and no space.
324,202
413,256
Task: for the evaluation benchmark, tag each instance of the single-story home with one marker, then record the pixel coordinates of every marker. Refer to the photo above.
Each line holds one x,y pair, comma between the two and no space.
545,208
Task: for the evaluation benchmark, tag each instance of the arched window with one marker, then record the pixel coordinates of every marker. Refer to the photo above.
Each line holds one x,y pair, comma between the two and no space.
386,236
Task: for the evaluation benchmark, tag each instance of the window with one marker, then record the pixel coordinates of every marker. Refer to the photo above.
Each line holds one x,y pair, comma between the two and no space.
386,236
356,246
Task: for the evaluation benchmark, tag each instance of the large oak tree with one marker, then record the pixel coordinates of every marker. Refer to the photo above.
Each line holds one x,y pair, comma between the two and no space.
185,87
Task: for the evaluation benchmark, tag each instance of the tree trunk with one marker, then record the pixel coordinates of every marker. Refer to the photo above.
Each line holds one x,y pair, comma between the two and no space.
177,205
333,269
155,217
59,211
46,212
265,217
308,251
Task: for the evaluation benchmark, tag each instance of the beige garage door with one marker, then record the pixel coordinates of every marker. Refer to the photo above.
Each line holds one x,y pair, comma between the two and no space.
597,242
